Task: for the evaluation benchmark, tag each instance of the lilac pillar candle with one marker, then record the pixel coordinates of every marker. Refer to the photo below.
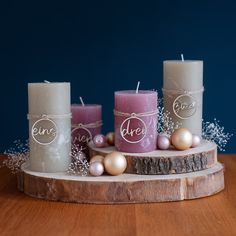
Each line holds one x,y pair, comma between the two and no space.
86,123
135,121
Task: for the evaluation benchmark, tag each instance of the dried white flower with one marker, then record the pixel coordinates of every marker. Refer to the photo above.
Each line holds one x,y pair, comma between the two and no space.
212,131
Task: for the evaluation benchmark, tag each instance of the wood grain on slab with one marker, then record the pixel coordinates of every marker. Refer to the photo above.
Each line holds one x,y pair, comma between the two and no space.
161,162
125,188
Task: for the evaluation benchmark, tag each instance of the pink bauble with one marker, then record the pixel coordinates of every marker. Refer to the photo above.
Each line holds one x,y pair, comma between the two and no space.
163,142
96,168
196,141
99,140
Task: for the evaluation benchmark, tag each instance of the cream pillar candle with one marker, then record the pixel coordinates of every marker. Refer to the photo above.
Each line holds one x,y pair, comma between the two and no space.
183,90
49,126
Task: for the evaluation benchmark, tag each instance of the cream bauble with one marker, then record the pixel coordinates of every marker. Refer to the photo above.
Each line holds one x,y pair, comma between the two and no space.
115,163
97,158
181,139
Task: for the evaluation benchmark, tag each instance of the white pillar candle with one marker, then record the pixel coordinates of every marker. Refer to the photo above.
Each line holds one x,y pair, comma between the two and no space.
49,126
183,90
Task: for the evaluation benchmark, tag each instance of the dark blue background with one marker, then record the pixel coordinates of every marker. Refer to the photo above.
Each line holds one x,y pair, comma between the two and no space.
103,46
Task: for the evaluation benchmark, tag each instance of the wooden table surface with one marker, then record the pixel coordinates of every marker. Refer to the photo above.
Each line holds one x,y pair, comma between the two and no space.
23,215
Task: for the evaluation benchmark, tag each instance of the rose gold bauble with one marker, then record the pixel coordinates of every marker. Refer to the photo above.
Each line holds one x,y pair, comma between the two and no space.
97,158
110,138
181,139
115,163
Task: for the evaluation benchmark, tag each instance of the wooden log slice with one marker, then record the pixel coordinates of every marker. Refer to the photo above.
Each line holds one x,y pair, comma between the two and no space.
126,188
162,162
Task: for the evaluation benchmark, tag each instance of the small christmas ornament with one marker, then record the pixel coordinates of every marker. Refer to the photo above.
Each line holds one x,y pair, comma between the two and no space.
110,138
115,163
99,140
97,158
96,168
195,141
181,139
163,141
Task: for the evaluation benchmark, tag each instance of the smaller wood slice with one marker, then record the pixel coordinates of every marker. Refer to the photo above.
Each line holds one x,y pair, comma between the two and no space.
162,162
126,188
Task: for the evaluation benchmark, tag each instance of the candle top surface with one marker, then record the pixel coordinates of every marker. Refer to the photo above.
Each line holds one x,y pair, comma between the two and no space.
180,61
44,83
133,92
130,101
85,105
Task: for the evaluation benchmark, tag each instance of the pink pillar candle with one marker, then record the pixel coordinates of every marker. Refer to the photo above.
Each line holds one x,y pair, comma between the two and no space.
135,121
86,123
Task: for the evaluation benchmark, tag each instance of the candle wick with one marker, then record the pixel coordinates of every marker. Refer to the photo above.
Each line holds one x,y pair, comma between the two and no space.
182,57
46,81
137,88
81,100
